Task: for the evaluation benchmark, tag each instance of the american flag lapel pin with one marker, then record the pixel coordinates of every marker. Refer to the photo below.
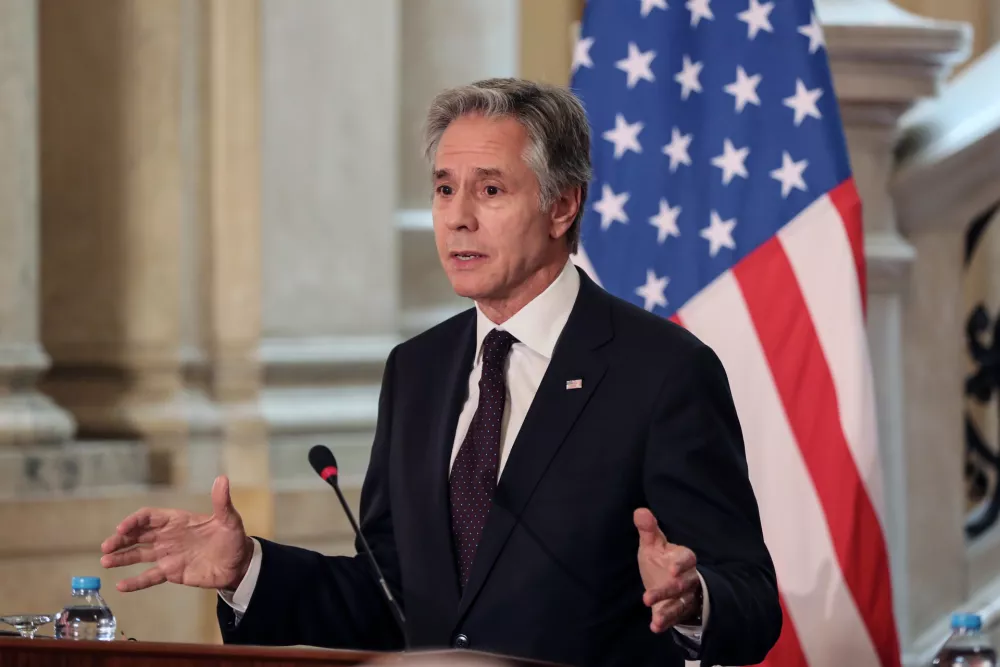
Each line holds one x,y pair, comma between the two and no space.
574,384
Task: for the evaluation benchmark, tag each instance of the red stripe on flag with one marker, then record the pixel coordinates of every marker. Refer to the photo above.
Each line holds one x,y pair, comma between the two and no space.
803,380
787,651
848,204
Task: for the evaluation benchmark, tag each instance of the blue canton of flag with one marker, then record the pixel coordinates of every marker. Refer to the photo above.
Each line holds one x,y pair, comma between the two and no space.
712,128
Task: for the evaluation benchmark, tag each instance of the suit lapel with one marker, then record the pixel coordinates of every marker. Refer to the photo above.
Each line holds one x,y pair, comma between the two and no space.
452,387
552,414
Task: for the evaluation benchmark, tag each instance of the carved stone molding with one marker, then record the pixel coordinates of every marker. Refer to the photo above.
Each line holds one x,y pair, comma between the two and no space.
950,150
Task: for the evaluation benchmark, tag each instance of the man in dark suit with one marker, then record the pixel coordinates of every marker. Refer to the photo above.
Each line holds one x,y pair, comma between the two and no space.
556,473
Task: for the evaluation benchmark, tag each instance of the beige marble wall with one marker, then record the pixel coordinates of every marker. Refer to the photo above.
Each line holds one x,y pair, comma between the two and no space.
45,545
481,39
982,15
547,35
26,417
330,265
330,82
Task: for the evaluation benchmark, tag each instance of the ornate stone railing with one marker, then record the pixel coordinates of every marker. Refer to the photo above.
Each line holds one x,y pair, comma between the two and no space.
946,189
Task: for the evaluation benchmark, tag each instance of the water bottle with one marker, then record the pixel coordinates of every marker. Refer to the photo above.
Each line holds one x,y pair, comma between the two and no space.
87,615
967,646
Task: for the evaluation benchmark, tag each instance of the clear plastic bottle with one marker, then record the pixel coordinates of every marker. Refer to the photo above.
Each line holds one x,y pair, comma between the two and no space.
87,615
967,646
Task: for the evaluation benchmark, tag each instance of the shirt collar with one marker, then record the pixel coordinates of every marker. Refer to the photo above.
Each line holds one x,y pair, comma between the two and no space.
539,323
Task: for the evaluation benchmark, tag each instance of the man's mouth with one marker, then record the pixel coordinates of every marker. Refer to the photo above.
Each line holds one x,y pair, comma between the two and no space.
467,256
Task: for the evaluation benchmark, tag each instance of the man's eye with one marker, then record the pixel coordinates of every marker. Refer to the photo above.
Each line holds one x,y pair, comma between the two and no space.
444,190
492,190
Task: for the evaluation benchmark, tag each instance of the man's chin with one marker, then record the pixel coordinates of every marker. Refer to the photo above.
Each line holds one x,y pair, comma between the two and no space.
468,287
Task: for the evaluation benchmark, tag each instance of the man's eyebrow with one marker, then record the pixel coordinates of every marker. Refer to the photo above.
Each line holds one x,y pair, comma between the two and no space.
481,172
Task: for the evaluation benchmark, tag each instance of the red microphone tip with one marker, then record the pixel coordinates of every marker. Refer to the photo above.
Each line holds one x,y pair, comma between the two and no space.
328,472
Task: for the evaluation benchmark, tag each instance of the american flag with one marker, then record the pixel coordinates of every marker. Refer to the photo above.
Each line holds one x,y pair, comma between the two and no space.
723,199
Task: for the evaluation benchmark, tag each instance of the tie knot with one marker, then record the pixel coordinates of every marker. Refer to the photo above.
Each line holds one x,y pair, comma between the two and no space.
496,346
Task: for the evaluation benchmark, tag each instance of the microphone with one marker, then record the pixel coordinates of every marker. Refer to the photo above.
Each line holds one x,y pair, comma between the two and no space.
325,465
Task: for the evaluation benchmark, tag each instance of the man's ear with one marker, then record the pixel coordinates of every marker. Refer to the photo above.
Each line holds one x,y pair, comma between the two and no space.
563,211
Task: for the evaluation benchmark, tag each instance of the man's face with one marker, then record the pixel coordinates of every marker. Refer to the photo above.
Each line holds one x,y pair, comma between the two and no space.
491,235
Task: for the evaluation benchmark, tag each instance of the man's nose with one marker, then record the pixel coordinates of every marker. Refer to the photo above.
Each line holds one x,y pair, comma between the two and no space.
461,213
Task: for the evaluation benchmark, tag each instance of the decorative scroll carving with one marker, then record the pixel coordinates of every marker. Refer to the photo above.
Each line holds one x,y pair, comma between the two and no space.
982,386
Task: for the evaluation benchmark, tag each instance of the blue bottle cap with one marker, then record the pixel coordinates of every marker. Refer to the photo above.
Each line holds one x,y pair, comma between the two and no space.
964,621
86,583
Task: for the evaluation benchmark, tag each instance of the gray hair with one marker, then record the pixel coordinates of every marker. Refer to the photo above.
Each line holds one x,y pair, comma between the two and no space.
558,132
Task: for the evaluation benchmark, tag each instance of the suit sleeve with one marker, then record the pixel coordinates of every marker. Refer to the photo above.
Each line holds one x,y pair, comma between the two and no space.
304,597
697,484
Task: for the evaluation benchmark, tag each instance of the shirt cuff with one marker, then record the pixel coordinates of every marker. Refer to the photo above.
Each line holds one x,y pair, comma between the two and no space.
239,599
695,632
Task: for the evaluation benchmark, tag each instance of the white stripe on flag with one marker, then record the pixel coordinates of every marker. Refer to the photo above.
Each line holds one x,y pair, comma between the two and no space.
795,530
819,250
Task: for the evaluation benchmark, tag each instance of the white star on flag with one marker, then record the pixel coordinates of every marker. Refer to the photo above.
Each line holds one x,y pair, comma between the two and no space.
804,102
666,221
625,136
731,162
719,234
699,10
652,291
611,207
744,89
790,174
581,53
814,31
677,149
650,5
637,65
757,18
688,77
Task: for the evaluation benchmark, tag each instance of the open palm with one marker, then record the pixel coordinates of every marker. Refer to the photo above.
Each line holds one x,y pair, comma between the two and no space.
201,550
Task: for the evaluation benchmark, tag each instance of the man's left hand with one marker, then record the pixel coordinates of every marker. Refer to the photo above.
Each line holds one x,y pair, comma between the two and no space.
673,588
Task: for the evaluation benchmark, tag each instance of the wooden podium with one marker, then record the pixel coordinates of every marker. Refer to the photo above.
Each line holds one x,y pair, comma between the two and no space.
18,652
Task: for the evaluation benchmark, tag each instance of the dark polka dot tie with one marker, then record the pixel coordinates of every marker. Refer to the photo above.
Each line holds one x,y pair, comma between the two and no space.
474,473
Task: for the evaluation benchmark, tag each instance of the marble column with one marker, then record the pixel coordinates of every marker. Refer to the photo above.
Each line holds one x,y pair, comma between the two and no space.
883,60
230,254
111,206
26,416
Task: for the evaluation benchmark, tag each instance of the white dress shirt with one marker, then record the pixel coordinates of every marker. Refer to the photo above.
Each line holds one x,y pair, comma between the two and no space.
536,327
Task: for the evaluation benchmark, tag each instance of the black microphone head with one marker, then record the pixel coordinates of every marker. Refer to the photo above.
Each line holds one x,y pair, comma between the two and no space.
324,463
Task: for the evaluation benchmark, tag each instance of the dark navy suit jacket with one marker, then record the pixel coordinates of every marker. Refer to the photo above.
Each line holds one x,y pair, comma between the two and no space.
555,576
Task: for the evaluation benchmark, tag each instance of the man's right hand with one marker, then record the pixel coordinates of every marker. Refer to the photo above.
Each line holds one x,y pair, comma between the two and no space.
205,551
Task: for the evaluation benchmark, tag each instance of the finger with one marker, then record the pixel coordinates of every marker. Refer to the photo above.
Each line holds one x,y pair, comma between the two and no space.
666,614
222,501
687,583
117,542
151,577
650,534
147,517
141,554
670,560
